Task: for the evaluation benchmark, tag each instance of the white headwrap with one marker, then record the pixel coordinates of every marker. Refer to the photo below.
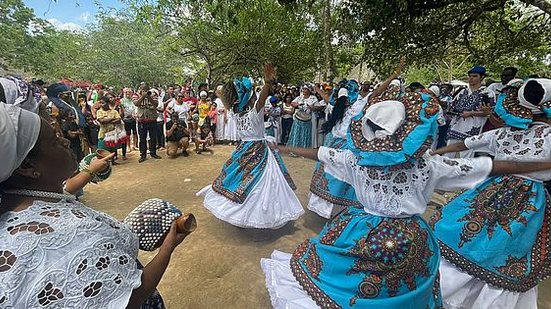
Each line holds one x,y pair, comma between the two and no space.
389,115
19,93
435,90
343,92
546,85
19,131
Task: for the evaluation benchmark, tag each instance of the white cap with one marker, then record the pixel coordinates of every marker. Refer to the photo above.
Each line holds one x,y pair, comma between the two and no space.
203,94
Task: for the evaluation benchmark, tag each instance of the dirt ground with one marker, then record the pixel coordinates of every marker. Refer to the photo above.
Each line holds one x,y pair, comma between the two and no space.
218,266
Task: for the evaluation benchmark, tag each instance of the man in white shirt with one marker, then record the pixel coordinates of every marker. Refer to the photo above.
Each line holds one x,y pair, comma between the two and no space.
507,75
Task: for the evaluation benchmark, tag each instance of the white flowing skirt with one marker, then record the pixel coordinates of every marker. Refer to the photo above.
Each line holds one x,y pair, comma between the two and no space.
270,204
462,291
230,129
285,291
320,206
220,126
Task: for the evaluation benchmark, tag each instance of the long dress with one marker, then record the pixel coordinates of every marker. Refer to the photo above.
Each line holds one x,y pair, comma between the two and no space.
327,191
495,237
301,131
379,255
230,130
220,120
254,189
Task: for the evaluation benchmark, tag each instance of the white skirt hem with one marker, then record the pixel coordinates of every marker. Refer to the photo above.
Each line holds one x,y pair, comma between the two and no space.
285,292
463,291
270,205
320,206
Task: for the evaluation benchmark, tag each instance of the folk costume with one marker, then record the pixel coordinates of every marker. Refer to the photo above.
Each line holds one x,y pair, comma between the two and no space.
327,191
495,237
381,254
254,189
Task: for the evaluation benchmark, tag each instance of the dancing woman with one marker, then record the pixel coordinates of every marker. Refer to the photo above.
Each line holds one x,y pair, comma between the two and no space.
329,195
495,237
254,189
381,254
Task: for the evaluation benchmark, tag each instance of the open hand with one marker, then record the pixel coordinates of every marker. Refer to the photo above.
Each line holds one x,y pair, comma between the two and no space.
269,72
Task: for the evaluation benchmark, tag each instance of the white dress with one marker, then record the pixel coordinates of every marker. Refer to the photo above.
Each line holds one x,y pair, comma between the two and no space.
321,206
433,172
466,291
272,203
220,120
230,129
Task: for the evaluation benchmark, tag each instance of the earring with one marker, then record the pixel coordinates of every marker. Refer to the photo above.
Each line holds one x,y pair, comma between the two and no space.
36,174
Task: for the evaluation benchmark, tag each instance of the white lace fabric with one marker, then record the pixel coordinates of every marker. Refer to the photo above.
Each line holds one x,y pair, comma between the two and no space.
403,191
532,144
66,255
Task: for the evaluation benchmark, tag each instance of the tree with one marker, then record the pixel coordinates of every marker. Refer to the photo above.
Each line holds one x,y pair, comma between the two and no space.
237,37
493,32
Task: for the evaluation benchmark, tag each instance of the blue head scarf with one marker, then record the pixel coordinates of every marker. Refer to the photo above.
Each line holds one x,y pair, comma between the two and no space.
244,87
353,90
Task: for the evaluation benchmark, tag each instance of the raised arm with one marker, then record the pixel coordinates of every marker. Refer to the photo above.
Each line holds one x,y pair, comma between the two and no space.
322,94
269,78
382,87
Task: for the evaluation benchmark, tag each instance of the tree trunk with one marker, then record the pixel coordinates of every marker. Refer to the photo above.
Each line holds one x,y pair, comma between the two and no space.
329,72
540,4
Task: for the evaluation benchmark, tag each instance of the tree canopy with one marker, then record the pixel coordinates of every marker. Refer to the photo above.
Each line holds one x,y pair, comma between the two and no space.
165,41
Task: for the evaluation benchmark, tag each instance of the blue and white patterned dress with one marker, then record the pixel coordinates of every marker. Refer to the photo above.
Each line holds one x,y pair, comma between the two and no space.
326,190
495,237
381,254
254,189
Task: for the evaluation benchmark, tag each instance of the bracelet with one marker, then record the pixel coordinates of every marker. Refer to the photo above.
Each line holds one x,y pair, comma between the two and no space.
89,172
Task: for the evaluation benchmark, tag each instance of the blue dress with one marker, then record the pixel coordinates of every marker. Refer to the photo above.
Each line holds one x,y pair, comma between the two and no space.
328,191
381,254
499,231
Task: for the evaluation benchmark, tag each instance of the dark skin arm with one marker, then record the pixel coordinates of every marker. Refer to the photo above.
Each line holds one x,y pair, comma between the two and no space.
269,78
457,147
154,271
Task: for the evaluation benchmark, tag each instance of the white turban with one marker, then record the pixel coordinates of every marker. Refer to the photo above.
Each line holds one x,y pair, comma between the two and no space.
389,115
435,90
19,131
535,108
19,93
343,92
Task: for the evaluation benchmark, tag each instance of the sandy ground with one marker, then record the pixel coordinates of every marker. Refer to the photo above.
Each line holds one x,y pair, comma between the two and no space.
218,266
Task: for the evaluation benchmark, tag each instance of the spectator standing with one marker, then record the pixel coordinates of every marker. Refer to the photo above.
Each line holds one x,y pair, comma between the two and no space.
129,118
146,117
286,118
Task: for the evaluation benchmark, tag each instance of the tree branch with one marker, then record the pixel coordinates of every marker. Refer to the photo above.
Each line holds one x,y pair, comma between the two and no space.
540,4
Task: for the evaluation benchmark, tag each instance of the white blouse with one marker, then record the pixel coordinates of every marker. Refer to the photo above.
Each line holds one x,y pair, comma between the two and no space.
66,255
405,191
250,126
532,144
340,130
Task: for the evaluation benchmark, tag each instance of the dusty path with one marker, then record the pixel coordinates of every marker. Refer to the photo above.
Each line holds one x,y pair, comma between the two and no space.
218,266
